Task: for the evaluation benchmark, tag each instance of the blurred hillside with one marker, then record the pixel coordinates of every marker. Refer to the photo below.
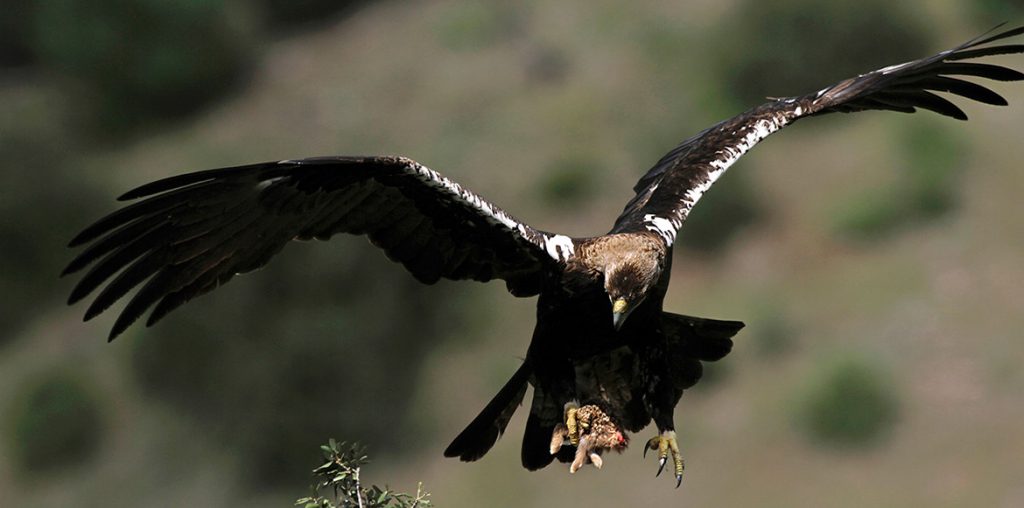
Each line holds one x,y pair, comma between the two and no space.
876,258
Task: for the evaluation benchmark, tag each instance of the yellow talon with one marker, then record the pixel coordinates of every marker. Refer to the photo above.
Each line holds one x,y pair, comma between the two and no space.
666,443
571,423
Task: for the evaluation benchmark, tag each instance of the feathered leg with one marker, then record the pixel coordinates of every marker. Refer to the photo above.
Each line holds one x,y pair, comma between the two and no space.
661,403
673,364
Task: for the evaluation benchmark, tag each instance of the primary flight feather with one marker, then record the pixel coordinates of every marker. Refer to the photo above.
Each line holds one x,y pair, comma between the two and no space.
187,234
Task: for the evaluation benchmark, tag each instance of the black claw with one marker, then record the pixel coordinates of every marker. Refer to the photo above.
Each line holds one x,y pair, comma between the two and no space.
661,467
645,451
679,480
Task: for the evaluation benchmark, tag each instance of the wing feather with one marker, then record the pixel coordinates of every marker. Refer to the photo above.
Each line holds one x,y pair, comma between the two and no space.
959,87
669,190
190,233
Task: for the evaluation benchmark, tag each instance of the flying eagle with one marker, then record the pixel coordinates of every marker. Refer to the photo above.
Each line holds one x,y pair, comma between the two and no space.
601,336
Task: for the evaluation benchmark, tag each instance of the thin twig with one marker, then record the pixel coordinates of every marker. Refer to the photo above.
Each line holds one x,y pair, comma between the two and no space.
359,489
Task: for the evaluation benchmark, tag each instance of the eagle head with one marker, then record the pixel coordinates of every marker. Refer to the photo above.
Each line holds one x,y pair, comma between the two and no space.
627,284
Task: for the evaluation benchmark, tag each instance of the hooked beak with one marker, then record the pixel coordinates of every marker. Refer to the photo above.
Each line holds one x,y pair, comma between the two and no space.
620,309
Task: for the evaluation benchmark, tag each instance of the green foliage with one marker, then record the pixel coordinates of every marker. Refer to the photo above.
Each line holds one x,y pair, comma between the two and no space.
477,24
990,12
187,369
771,333
933,156
48,187
15,44
925,189
140,60
570,181
284,12
548,65
796,47
872,215
258,361
340,473
724,211
850,402
54,422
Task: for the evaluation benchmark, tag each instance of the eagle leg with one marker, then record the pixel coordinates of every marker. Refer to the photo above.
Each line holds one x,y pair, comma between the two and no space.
665,443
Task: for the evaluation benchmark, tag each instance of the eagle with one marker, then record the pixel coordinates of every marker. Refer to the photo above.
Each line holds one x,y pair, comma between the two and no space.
603,347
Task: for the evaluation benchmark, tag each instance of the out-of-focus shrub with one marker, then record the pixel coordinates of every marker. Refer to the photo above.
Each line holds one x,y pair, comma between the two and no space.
45,199
570,181
271,363
15,44
138,60
850,402
771,332
286,12
796,47
926,188
53,423
990,12
726,209
872,215
933,156
477,24
547,65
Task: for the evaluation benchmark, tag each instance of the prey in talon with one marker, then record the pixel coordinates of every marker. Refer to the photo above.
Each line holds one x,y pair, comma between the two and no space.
591,431
622,391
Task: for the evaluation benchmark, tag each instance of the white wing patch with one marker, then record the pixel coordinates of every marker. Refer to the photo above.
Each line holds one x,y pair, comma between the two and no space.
760,130
559,247
667,227
730,153
893,68
263,184
491,213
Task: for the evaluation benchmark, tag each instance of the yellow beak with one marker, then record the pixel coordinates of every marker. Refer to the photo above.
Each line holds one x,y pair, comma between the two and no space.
619,311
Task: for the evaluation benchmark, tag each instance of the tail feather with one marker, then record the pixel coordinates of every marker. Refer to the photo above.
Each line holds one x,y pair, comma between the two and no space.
481,434
536,443
545,413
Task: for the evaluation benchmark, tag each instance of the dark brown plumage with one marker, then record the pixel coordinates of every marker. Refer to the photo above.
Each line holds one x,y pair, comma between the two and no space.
601,336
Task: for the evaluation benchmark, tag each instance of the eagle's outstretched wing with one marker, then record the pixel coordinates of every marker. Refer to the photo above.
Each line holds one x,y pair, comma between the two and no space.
669,190
195,231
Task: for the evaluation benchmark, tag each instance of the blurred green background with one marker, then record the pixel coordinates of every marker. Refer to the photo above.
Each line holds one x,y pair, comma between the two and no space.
877,259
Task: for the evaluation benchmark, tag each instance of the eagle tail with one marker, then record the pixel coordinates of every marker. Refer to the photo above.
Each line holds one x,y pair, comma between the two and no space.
700,338
545,413
481,434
